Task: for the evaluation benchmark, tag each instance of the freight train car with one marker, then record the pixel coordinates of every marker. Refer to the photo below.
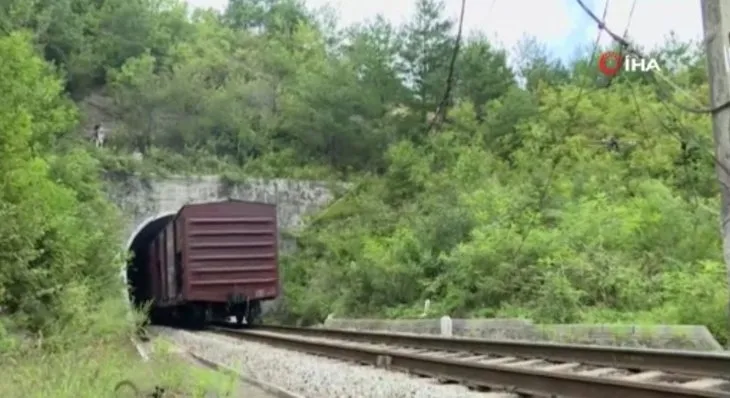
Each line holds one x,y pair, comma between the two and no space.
214,260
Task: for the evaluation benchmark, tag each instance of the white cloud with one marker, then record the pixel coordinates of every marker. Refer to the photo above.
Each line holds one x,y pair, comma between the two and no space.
652,20
217,4
561,24
506,19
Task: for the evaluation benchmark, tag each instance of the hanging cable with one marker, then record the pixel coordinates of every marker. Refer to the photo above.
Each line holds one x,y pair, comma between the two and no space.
633,50
664,99
441,109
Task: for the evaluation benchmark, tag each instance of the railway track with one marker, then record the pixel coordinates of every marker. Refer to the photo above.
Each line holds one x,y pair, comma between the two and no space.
525,368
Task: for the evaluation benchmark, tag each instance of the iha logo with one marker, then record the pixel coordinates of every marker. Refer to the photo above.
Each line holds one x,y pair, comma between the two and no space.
611,63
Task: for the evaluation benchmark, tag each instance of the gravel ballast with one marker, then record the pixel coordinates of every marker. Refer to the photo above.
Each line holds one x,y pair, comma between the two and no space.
313,376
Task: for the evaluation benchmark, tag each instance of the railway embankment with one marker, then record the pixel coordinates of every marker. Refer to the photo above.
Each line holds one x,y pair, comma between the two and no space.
687,337
314,376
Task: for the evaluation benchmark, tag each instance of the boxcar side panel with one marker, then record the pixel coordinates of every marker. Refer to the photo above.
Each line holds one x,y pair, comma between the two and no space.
230,250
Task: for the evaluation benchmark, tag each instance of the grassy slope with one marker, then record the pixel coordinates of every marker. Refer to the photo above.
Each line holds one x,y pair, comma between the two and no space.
94,371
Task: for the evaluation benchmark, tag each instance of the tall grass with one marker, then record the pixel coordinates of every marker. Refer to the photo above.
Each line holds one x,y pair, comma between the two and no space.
90,360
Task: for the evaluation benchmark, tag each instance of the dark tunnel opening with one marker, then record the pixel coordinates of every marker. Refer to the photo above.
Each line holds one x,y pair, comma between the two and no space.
137,275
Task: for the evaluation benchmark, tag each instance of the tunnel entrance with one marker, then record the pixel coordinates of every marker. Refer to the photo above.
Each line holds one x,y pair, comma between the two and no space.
138,283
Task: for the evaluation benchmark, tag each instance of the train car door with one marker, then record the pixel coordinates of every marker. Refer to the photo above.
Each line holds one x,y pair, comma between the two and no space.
179,272
152,273
170,261
161,269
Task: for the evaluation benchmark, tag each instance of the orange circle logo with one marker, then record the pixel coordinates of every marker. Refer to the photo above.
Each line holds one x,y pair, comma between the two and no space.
609,63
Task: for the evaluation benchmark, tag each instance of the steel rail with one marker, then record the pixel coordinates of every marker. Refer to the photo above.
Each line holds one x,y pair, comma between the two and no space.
693,363
268,388
520,380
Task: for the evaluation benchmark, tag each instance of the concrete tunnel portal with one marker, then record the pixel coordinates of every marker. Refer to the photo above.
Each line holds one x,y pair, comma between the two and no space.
136,276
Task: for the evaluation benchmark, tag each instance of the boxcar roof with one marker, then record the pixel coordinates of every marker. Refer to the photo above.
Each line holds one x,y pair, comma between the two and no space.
219,202
241,203
227,201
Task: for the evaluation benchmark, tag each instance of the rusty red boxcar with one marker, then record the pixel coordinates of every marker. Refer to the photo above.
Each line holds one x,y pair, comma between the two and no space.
215,260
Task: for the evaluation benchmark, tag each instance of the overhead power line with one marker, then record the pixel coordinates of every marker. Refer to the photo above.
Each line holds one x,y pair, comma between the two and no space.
441,109
625,44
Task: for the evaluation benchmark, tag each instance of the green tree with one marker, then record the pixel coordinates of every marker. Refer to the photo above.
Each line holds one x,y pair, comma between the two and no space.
58,258
426,56
536,66
483,74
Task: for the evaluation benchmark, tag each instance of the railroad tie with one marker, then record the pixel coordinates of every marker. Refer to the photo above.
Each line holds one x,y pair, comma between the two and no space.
383,361
454,355
645,376
705,384
475,358
527,363
561,367
499,361
599,372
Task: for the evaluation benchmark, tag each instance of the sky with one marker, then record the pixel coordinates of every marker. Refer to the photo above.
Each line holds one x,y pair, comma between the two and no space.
560,24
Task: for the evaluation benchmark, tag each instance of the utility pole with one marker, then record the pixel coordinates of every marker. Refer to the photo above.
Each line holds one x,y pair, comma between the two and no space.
716,24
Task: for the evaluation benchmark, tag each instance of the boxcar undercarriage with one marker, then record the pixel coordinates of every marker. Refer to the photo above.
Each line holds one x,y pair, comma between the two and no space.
198,315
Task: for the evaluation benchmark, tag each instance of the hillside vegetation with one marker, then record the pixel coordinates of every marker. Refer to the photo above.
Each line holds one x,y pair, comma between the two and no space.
544,190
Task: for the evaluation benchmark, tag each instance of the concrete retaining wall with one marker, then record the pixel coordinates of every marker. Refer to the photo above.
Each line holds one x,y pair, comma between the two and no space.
690,337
